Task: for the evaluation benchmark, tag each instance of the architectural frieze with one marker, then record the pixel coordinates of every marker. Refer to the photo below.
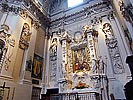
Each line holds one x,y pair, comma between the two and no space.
39,13
80,15
6,7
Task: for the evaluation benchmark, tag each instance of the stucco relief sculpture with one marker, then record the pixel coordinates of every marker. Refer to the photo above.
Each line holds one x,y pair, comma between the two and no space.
53,60
124,11
25,37
55,5
95,81
82,67
113,49
9,53
6,43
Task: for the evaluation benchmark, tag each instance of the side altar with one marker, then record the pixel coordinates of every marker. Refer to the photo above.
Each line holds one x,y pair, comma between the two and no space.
81,69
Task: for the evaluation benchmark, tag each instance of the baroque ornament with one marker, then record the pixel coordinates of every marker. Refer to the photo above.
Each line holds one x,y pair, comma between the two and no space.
83,14
124,11
5,42
113,49
53,60
78,36
9,8
11,44
25,37
14,7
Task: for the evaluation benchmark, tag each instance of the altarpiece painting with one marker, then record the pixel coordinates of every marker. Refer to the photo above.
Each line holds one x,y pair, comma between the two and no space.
37,67
80,59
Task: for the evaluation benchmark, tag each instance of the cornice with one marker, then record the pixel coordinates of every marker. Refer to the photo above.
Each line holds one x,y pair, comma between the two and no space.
85,13
24,9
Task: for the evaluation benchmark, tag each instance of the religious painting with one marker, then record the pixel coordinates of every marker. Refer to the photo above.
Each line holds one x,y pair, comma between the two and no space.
37,67
81,59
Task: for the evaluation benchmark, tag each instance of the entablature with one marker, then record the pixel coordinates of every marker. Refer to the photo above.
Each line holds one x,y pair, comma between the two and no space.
99,9
26,8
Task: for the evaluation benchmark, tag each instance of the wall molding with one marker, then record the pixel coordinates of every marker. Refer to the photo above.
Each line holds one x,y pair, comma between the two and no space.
25,9
88,12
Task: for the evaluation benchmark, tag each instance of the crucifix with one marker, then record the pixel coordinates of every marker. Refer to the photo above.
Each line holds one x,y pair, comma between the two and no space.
2,89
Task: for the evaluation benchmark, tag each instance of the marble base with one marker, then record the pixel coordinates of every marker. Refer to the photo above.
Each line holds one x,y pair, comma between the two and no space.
82,90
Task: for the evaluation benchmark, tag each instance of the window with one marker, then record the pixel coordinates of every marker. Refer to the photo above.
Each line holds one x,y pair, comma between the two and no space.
72,3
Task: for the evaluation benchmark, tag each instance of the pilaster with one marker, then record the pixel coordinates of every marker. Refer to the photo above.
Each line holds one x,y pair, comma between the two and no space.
45,55
28,56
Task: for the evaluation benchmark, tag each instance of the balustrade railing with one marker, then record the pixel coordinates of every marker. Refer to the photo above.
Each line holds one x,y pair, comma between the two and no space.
76,96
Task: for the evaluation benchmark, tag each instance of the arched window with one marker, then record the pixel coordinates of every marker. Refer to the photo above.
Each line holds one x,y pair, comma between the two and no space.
72,3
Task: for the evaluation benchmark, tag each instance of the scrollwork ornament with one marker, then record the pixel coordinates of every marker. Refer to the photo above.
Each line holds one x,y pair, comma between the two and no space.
112,43
87,28
113,49
5,43
7,61
115,56
96,21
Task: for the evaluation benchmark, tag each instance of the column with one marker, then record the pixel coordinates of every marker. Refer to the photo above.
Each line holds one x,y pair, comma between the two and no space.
47,72
44,75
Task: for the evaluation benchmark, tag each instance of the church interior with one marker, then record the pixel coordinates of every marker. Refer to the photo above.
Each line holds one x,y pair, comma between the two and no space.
66,49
